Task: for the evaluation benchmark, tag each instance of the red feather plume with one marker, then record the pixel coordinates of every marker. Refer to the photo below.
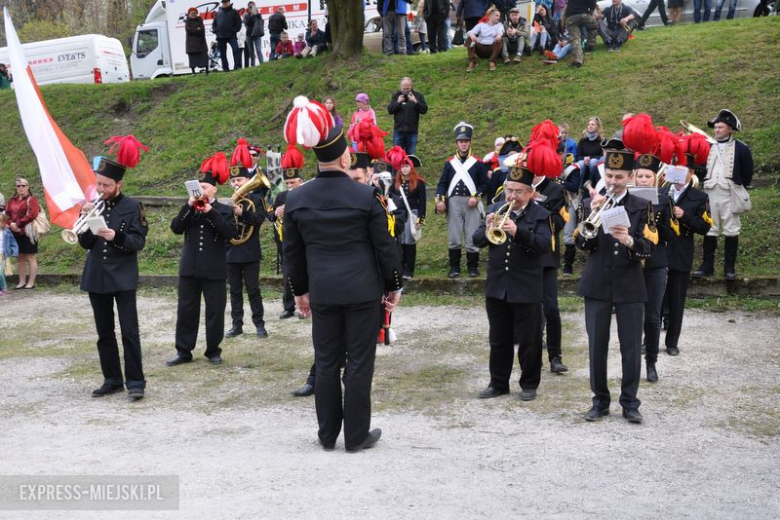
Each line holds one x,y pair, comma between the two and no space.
128,149
698,146
542,159
370,139
396,157
546,131
668,146
241,154
292,158
639,134
217,164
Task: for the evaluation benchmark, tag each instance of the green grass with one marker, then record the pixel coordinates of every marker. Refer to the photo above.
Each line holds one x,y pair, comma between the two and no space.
686,72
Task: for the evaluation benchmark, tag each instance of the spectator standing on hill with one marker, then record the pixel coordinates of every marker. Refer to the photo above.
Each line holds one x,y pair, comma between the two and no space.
277,24
402,7
227,24
616,23
420,27
255,30
515,34
330,104
195,41
22,209
437,13
392,20
363,112
675,11
719,8
485,40
315,41
650,8
406,106
471,11
698,16
579,13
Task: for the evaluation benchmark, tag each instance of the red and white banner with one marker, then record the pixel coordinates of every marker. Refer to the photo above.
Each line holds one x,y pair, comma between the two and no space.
68,179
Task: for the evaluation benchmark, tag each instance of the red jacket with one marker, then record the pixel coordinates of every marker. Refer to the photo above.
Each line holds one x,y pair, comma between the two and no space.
284,48
22,211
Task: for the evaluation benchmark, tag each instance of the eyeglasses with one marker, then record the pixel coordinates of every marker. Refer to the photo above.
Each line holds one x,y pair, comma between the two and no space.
21,185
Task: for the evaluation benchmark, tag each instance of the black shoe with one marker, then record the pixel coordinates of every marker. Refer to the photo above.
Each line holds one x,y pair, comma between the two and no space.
286,314
489,392
371,439
473,272
327,446
652,374
557,366
632,416
673,351
575,64
262,332
595,414
215,360
107,389
731,277
454,272
701,273
135,394
234,331
178,359
568,271
528,394
305,391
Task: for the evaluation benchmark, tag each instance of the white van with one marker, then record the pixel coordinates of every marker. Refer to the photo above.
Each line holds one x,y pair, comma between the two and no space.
90,58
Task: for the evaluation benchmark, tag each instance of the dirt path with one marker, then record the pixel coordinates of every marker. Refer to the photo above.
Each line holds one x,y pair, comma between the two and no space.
243,448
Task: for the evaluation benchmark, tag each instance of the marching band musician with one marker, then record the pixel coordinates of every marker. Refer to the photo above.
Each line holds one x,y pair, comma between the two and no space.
613,278
207,226
409,187
111,272
462,183
692,211
514,287
340,259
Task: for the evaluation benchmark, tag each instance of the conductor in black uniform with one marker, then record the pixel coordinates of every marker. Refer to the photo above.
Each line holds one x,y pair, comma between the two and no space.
111,275
340,261
207,225
244,255
513,290
613,278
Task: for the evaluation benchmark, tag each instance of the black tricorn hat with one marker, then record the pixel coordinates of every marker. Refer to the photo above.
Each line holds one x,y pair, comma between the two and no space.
647,162
728,117
415,161
512,144
108,168
332,147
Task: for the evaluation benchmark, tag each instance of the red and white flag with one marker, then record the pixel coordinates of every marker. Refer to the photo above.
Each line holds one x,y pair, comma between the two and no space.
68,179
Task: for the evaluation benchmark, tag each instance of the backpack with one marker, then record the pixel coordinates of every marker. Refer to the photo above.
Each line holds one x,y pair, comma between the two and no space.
258,30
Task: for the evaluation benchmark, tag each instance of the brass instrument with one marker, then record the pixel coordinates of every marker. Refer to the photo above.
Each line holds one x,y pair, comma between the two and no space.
696,130
240,198
279,225
71,236
589,228
494,234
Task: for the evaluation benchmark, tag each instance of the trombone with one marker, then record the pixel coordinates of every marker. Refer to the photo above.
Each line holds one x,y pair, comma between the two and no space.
494,234
71,236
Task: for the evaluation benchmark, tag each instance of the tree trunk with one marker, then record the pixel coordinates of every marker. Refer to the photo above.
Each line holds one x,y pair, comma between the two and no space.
345,20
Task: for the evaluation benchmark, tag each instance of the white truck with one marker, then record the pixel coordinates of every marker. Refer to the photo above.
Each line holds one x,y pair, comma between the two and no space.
90,58
158,46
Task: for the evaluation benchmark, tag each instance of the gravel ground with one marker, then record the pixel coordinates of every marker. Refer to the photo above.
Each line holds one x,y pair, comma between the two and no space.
243,448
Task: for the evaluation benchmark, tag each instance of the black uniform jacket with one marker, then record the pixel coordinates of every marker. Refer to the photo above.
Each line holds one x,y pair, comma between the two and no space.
113,266
695,205
663,223
337,246
514,270
552,200
477,172
416,197
613,272
249,251
205,240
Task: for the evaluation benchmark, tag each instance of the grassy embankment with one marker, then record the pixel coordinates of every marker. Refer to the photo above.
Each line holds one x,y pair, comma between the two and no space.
687,72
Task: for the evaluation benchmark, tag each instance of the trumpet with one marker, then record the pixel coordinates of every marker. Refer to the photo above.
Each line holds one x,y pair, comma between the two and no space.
240,198
71,236
589,228
494,234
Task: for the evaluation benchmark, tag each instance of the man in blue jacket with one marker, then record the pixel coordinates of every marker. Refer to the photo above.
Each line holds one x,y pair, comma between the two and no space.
227,24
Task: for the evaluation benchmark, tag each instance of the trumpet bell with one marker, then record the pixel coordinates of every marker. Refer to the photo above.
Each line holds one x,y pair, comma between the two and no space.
495,236
69,236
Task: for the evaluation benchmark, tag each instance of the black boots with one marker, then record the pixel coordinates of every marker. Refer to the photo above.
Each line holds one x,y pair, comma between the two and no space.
568,259
454,263
472,262
707,268
409,260
730,258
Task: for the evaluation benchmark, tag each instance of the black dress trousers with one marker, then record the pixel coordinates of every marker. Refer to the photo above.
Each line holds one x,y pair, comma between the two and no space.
552,314
103,309
676,293
240,275
655,284
510,322
188,314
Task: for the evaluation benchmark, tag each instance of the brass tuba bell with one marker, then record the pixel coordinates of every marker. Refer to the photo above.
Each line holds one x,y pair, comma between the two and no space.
240,198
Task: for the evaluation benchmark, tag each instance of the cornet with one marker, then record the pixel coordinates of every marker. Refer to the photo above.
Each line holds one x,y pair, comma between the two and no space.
589,228
494,233
71,236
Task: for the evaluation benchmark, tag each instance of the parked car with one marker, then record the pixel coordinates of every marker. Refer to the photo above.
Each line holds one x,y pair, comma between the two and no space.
745,9
372,38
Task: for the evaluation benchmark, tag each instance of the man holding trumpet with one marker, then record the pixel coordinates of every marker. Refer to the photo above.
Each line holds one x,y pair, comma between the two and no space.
112,237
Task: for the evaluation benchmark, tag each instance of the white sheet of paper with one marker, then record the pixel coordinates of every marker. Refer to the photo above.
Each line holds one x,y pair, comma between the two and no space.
650,194
614,217
96,224
193,188
676,174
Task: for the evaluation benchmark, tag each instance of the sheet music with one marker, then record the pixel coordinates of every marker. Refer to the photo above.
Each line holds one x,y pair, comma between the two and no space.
676,174
614,217
96,224
649,194
193,188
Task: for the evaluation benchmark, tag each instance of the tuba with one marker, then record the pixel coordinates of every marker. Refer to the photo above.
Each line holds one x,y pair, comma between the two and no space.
71,236
494,234
240,197
589,228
